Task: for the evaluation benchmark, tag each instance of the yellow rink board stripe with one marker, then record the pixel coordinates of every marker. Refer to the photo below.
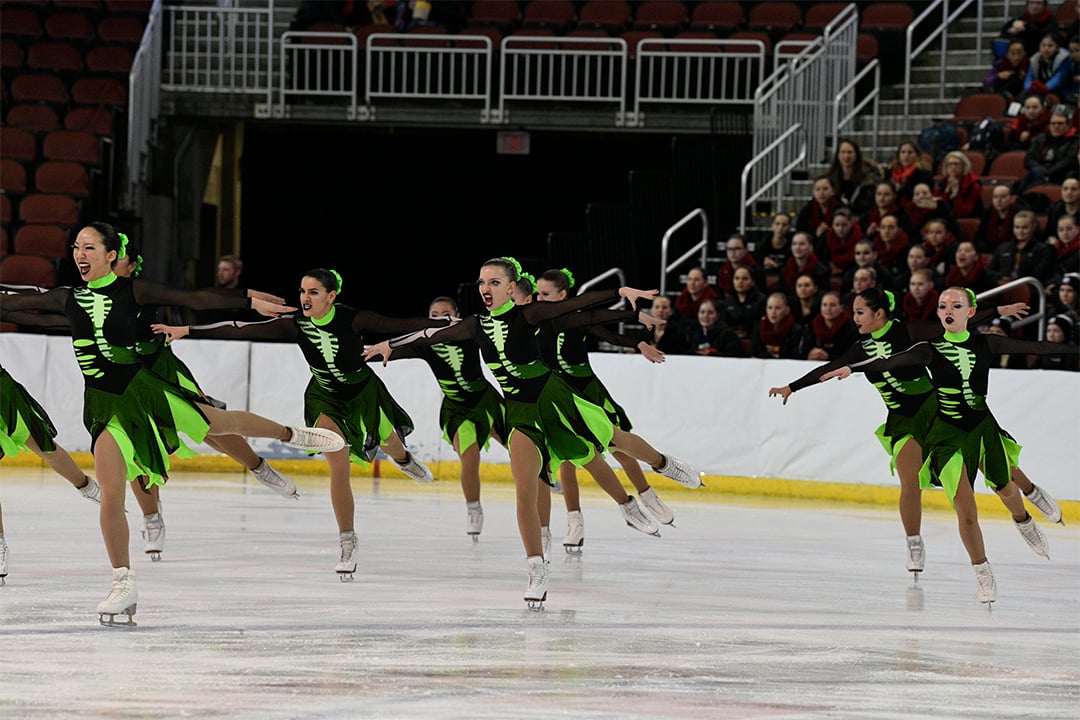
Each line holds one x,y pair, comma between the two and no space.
717,487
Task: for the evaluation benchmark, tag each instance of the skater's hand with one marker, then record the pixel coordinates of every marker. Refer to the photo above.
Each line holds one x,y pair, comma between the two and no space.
382,350
649,321
651,353
270,309
1014,310
839,373
633,295
171,332
784,392
260,295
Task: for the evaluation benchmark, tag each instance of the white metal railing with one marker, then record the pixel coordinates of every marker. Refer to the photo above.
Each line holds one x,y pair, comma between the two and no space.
318,65
702,246
612,272
841,100
564,69
939,16
144,106
786,152
428,67
1038,290
696,71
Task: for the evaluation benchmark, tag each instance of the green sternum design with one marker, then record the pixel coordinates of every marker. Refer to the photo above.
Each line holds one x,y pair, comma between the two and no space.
964,362
890,385
454,357
327,345
97,307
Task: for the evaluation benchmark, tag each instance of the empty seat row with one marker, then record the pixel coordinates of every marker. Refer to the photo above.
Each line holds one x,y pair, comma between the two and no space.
24,25
51,176
39,118
83,91
65,57
76,145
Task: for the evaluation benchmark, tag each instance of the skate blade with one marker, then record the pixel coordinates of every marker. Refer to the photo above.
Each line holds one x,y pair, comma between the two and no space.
113,622
574,549
915,575
3,580
345,577
535,605
155,556
475,537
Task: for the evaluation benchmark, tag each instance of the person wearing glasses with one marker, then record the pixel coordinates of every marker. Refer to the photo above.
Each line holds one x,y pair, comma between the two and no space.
1052,156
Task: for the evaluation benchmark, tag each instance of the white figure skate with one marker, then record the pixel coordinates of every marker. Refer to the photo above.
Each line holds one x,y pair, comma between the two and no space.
1033,536
680,472
536,592
575,532
916,555
274,480
1047,505
154,533
314,440
91,490
984,576
638,520
545,540
415,469
122,599
657,508
476,520
350,556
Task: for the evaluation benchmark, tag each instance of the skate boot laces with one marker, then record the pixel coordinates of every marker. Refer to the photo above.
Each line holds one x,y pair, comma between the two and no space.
637,519
1033,536
315,440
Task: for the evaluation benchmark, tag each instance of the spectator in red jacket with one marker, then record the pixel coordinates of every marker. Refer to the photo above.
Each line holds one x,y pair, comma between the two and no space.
697,289
997,221
960,187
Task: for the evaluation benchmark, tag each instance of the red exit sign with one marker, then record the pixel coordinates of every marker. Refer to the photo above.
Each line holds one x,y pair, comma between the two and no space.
512,142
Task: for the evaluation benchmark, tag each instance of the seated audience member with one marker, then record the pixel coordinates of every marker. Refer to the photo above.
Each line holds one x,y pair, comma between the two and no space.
1003,327
907,169
773,253
1050,70
737,256
886,202
940,245
891,245
1065,246
863,279
832,331
866,256
744,305
996,225
803,260
924,207
1069,204
1066,298
853,177
817,215
669,337
696,290
776,334
920,301
959,187
1032,121
1059,329
1009,72
709,335
1029,27
838,245
970,270
228,276
1052,156
1072,95
806,303
1024,255
916,260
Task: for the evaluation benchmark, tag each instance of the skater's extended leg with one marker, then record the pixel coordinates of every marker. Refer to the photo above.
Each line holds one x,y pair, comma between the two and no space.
1012,500
148,500
967,515
1025,524
908,463
241,422
570,492
646,495
633,471
406,463
61,463
112,476
605,477
235,447
525,465
341,496
636,447
1022,480
470,470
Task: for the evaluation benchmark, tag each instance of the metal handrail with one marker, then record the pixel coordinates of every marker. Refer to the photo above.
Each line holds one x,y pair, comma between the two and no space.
942,31
616,271
875,95
702,245
1034,317
778,179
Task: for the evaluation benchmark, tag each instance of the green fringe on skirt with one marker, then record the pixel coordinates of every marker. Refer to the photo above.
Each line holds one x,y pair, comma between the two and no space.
366,420
950,451
898,429
473,425
595,392
22,418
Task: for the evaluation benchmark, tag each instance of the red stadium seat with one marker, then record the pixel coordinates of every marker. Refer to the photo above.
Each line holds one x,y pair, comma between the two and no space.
69,26
612,16
5,246
719,17
1008,165
11,55
91,119
62,176
28,270
967,227
45,240
775,18
633,38
109,59
750,35
138,7
665,16
49,209
978,161
502,14
12,176
866,47
35,118
99,91
39,88
886,16
121,30
19,23
7,209
553,14
819,16
18,144
74,145
56,56
973,108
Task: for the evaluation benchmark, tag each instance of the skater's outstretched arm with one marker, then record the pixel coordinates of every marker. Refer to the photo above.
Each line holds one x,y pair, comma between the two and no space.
47,320
467,329
283,328
152,293
1012,346
918,354
853,354
921,330
53,301
365,320
536,313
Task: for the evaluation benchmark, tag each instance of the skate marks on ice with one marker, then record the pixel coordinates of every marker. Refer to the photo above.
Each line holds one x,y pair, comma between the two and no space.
786,611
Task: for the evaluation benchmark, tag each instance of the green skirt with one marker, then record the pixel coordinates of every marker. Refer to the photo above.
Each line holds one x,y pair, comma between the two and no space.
950,451
564,426
366,420
473,425
594,391
22,418
171,369
146,421
899,428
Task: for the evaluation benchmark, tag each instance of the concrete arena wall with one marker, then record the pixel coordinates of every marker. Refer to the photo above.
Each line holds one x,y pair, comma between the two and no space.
713,412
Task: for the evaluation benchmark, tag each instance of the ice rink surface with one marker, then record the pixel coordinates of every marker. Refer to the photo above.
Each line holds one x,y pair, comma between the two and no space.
744,610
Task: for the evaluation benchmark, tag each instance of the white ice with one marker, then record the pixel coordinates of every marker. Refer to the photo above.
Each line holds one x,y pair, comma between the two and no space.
744,610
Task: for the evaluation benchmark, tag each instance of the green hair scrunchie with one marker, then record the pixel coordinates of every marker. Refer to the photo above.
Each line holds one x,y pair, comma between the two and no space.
971,296
891,299
138,266
516,264
528,280
569,277
337,277
123,245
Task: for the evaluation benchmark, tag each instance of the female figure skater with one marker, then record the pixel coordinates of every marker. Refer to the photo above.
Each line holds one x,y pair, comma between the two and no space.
909,396
964,436
548,423
134,417
567,352
344,397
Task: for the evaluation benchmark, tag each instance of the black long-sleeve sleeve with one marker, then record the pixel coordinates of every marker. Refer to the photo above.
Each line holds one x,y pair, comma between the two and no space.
283,328
152,293
538,312
851,355
54,301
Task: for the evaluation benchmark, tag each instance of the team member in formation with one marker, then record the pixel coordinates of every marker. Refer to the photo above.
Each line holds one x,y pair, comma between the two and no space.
964,436
133,416
344,397
548,423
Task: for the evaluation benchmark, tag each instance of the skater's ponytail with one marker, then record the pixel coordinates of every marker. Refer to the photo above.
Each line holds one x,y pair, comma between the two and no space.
562,279
878,299
329,279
